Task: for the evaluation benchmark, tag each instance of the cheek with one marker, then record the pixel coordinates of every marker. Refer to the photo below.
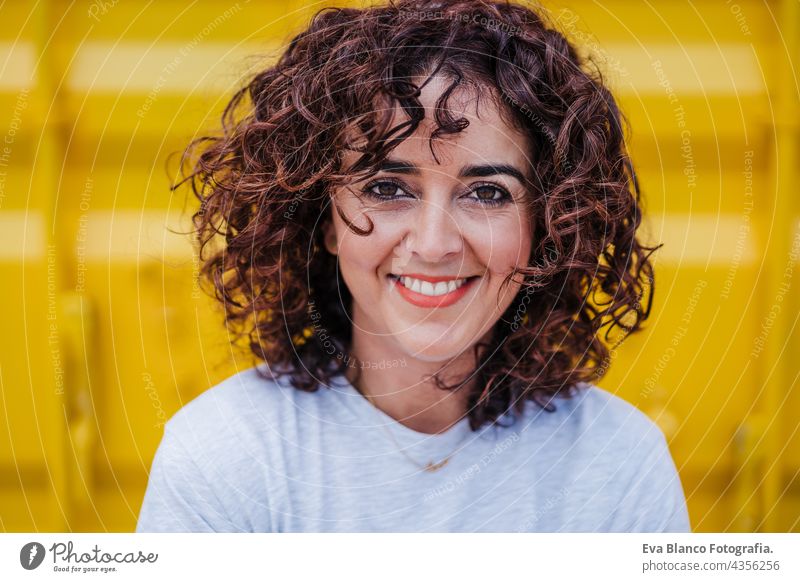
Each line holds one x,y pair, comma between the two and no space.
362,255
503,244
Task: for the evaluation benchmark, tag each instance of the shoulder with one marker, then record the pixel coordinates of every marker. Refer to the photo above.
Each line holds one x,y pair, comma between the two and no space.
634,463
242,412
205,469
613,458
595,427
233,395
595,413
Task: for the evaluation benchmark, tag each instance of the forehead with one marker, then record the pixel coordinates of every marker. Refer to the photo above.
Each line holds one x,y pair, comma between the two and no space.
489,137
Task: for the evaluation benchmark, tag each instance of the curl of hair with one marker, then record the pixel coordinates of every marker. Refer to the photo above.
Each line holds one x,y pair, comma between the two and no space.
264,184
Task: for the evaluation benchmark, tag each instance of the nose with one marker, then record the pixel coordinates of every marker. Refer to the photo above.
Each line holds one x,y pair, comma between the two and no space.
434,233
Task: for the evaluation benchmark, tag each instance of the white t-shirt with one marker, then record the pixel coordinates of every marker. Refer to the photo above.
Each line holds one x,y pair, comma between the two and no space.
258,455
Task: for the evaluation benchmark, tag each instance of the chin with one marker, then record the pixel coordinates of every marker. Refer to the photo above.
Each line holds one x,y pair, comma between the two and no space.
436,348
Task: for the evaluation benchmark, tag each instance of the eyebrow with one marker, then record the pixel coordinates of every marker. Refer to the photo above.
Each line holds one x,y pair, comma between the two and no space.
475,171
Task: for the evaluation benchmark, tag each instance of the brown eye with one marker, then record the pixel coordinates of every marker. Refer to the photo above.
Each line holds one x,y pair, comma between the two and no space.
485,194
386,189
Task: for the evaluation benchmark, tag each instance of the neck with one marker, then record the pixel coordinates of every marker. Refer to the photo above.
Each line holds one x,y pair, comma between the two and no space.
403,391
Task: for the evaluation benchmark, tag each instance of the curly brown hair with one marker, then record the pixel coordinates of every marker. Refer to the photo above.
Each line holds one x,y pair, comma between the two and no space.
264,182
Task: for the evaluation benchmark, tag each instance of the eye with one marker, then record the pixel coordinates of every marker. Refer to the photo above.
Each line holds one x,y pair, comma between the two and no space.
384,190
490,195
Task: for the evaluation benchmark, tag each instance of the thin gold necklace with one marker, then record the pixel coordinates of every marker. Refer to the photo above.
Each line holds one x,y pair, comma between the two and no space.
430,467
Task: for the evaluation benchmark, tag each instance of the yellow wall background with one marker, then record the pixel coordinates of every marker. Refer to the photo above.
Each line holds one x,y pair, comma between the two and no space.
105,335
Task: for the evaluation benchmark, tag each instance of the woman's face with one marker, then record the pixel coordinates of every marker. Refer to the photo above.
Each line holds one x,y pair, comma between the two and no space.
428,278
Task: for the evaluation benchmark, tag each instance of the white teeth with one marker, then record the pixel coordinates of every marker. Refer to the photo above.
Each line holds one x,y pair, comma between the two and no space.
431,289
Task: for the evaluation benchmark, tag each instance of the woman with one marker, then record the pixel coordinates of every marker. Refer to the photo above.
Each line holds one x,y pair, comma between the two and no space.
429,223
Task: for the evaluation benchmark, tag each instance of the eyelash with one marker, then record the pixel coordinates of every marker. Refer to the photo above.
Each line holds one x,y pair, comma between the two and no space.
506,197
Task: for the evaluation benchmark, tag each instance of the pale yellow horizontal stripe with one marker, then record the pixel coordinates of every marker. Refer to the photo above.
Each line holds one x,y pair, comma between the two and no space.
17,63
700,239
127,236
133,236
685,69
22,235
165,67
201,65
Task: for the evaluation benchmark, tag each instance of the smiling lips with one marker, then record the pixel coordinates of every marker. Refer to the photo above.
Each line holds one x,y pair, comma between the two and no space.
426,291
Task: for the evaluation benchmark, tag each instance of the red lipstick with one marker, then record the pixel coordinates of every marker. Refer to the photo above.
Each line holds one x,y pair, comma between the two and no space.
428,301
